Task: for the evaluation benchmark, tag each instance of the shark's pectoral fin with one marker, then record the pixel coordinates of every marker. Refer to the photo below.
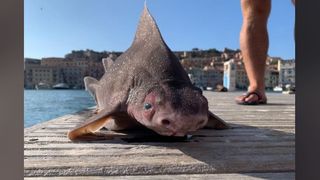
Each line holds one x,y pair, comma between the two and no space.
215,122
107,62
90,127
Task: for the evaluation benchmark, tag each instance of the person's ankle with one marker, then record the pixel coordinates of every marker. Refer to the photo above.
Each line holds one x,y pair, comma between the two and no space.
256,88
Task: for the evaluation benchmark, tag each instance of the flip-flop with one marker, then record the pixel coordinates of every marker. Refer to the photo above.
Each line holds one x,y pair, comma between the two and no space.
260,99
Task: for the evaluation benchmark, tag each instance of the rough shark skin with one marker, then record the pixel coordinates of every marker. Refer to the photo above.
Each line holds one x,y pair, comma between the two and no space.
146,86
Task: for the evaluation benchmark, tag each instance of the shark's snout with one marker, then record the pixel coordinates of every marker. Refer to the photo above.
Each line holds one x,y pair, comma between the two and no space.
179,125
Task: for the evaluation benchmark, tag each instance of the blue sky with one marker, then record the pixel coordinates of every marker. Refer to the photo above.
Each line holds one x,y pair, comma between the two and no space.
52,28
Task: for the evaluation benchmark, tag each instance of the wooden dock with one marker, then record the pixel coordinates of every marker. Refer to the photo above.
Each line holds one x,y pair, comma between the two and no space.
261,145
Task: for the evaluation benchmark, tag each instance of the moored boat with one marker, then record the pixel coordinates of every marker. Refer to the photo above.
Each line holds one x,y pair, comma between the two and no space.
277,89
61,86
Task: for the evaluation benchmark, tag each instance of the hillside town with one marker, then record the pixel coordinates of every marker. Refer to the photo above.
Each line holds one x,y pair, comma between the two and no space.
208,69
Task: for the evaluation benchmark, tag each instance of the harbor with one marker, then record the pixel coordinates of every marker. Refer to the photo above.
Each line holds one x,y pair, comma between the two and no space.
260,145
43,105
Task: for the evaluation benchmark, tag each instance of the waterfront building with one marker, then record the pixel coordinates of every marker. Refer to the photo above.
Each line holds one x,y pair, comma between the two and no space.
271,78
286,70
230,54
242,81
52,70
229,75
207,68
36,74
198,62
195,74
235,76
205,77
52,61
212,77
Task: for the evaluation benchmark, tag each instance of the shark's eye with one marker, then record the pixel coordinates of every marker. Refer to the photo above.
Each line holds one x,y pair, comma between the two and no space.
147,106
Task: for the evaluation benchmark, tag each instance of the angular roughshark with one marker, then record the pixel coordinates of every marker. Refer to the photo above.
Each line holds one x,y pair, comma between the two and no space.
146,86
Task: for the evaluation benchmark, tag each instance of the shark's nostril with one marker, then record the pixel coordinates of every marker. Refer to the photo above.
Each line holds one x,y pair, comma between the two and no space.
165,122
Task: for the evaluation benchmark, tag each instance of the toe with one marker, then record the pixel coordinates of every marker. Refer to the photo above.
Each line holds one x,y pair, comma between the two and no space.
251,98
240,98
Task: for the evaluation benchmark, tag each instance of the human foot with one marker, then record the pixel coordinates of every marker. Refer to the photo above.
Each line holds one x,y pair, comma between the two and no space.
252,98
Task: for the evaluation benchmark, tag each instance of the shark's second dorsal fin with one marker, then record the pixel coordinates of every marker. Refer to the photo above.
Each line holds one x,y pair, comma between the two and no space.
91,85
107,62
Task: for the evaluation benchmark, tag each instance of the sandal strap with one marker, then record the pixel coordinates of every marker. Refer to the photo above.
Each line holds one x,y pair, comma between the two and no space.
255,93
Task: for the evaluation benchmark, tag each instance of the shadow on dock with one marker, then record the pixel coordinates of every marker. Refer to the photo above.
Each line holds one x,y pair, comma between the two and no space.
241,149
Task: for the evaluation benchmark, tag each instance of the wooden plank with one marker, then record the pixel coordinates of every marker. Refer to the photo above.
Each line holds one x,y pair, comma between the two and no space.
153,152
248,176
86,166
103,146
244,132
229,139
235,131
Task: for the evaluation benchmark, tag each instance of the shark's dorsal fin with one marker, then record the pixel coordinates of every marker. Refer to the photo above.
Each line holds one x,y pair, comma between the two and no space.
148,31
107,62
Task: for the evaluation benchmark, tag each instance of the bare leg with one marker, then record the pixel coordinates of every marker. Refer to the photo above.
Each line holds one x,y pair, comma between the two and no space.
254,44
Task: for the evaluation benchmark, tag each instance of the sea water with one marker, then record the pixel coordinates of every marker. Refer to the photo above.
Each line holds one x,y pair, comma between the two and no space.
43,105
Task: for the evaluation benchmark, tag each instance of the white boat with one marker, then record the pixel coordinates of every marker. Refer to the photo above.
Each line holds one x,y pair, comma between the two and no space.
42,85
290,89
61,86
277,89
288,92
